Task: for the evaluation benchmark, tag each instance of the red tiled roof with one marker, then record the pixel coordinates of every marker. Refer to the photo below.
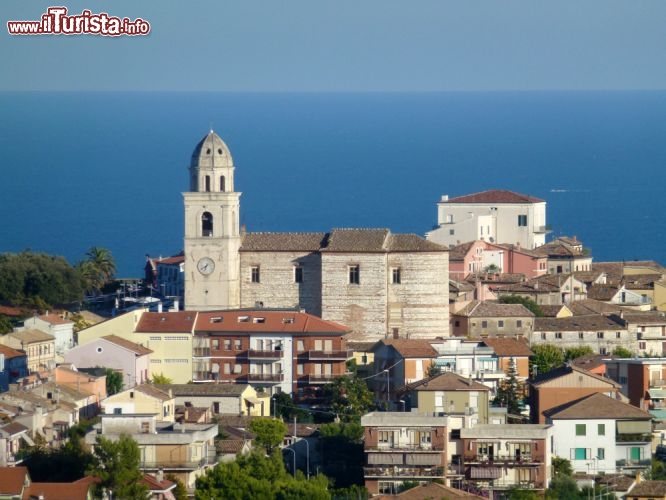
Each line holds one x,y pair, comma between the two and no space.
58,491
495,196
55,319
597,406
12,480
137,349
509,346
178,259
446,381
166,322
155,485
412,348
11,311
260,320
9,352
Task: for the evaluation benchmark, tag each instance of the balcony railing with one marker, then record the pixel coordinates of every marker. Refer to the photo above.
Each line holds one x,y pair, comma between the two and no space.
633,438
657,382
328,355
178,464
267,354
633,463
543,229
509,484
405,447
412,472
321,378
270,378
201,352
504,459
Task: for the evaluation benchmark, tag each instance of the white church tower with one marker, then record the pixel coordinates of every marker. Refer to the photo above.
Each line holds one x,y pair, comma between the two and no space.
212,233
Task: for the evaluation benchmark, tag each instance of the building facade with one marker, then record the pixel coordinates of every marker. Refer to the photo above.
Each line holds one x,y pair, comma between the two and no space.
372,280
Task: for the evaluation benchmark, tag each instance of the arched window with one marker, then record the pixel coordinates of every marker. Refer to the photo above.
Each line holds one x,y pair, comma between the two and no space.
208,183
207,224
222,187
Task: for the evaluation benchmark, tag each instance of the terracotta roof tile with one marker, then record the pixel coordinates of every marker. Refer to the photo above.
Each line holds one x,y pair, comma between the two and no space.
495,196
12,480
55,319
412,348
265,320
58,491
507,347
30,336
648,489
446,381
177,259
592,322
9,352
137,349
591,306
432,491
412,243
153,391
219,390
492,309
595,406
602,292
565,369
166,322
283,242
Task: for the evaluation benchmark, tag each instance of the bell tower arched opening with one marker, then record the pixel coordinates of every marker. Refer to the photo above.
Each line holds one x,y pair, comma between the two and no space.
206,224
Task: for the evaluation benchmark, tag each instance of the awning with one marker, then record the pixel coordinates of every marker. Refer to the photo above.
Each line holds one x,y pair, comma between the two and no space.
485,473
657,393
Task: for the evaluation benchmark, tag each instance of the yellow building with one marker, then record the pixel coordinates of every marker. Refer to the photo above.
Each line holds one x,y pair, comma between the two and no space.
38,346
142,399
167,334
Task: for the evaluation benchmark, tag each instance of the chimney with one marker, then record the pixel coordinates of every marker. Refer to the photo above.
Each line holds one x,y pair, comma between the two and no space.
445,197
160,475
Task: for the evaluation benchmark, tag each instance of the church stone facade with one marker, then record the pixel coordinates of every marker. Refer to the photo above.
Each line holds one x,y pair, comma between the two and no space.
375,282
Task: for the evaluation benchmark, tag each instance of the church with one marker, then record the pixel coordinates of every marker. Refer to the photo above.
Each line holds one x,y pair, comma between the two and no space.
375,282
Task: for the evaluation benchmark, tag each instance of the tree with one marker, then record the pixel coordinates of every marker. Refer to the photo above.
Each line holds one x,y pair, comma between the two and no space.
563,487
114,381
528,303
285,408
268,433
656,471
576,352
258,476
179,492
545,358
622,352
341,448
561,466
518,494
349,398
116,464
58,465
510,391
98,269
160,378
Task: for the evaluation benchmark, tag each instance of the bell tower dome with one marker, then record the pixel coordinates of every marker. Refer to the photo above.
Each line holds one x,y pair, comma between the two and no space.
212,234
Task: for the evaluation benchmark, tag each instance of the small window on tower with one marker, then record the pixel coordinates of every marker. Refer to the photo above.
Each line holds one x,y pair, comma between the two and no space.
298,274
222,184
354,275
395,278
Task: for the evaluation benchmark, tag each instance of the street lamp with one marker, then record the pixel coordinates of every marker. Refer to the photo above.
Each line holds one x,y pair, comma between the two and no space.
402,402
294,452
388,390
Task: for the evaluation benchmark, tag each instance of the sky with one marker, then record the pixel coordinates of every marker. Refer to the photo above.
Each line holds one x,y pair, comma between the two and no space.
346,45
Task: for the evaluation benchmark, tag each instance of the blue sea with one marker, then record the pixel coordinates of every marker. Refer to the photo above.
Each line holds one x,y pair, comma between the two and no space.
108,169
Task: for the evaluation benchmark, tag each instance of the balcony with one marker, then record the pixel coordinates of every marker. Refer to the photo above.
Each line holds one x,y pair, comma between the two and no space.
403,472
265,378
328,355
543,229
264,354
633,438
321,378
201,352
657,382
633,463
503,460
426,447
178,465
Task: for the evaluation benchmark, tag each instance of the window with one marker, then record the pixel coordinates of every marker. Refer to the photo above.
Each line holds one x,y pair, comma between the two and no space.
500,324
456,323
298,274
581,429
237,368
237,344
519,323
522,220
227,368
222,184
117,411
580,335
299,369
580,453
395,275
558,335
254,274
484,324
543,336
354,275
601,429
617,335
206,224
601,453
227,344
452,232
215,344
600,335
641,345
300,346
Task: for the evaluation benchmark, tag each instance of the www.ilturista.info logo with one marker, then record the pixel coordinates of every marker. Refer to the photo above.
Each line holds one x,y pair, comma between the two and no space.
57,22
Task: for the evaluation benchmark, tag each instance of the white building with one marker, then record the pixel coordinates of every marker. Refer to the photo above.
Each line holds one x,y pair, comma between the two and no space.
496,216
599,434
53,324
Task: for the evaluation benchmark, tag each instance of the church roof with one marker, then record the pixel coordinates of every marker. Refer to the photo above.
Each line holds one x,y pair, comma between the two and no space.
282,242
211,151
338,240
495,196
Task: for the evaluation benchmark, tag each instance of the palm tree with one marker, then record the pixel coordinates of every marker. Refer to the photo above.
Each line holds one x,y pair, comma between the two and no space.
98,269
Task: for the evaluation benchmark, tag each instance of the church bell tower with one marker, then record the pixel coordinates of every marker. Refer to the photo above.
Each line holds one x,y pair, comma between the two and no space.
212,234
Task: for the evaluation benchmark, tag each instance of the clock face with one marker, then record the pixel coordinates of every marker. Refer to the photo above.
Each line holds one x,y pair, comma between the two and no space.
205,265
